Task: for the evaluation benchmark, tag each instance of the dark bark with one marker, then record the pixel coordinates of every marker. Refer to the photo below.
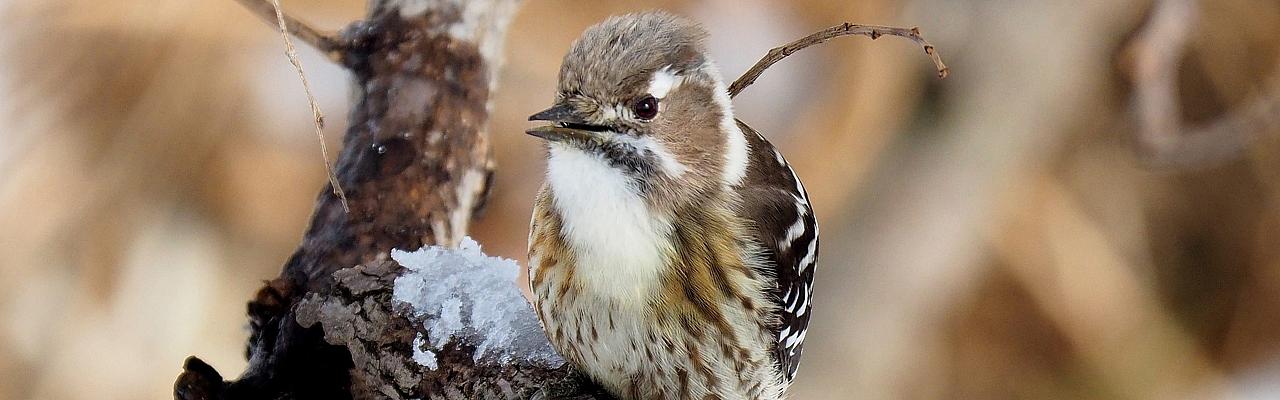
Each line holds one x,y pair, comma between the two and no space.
415,165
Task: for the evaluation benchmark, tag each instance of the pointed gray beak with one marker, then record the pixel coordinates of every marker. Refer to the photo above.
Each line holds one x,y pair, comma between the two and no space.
568,125
558,113
554,133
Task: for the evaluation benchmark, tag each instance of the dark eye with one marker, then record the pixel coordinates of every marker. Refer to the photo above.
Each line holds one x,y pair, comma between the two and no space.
646,107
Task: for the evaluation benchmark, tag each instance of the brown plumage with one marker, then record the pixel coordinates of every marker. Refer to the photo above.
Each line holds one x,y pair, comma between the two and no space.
671,248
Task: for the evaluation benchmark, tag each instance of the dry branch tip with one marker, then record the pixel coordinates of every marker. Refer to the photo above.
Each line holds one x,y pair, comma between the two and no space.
872,31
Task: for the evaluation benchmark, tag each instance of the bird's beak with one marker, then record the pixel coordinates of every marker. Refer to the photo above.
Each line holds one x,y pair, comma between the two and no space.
560,112
555,133
568,125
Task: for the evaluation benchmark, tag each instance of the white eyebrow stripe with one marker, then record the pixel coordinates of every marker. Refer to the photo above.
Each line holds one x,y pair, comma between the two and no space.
663,82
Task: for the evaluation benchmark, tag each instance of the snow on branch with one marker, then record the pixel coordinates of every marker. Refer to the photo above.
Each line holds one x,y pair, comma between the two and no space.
329,326
465,295
440,321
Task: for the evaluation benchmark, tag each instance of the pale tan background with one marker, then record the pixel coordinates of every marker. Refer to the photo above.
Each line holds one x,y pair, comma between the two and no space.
991,236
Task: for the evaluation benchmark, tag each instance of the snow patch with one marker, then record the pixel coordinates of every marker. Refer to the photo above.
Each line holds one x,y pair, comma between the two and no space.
468,297
425,358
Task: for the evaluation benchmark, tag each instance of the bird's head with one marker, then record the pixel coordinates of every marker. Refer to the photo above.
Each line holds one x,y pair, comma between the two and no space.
638,94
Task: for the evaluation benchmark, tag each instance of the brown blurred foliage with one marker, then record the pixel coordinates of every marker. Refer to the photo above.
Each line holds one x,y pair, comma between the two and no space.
994,235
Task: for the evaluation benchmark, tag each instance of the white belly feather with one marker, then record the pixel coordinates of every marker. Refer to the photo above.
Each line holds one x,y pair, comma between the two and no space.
621,249
609,224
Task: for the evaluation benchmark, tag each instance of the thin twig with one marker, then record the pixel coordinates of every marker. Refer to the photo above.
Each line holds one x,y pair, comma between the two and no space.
872,31
311,99
327,43
1157,51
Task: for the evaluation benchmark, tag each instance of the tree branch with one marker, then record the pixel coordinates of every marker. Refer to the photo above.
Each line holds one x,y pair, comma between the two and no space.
327,43
416,163
1158,49
872,31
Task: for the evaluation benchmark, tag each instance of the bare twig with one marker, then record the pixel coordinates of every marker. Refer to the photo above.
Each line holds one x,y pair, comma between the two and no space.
1157,51
311,99
872,31
269,11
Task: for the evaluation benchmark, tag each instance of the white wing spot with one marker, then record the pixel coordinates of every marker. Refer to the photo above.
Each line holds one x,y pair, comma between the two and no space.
793,233
804,305
791,341
791,298
809,254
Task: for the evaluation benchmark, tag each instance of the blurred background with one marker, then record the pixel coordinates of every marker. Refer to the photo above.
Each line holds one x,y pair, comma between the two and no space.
1017,231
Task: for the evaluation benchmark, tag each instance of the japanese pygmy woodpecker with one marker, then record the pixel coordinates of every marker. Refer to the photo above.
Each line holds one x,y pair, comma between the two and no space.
672,248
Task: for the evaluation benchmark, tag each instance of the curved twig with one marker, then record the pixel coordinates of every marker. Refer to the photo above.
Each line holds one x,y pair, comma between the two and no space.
872,31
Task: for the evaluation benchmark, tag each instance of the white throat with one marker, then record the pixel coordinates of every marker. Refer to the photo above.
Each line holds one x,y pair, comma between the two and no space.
620,244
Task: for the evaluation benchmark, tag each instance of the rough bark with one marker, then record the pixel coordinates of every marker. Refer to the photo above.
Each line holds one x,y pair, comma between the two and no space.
415,165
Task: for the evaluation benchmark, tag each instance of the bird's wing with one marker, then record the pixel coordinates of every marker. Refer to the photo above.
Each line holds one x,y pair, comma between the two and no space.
775,202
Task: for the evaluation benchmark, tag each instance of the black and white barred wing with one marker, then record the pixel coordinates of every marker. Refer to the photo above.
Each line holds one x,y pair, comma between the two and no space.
776,202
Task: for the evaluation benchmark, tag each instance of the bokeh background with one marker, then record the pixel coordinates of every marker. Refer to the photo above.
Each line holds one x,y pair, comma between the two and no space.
1002,234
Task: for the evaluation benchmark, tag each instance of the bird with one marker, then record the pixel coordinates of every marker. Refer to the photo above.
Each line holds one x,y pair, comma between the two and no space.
672,248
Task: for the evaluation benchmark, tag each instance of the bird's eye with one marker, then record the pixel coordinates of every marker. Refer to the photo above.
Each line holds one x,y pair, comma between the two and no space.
646,107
